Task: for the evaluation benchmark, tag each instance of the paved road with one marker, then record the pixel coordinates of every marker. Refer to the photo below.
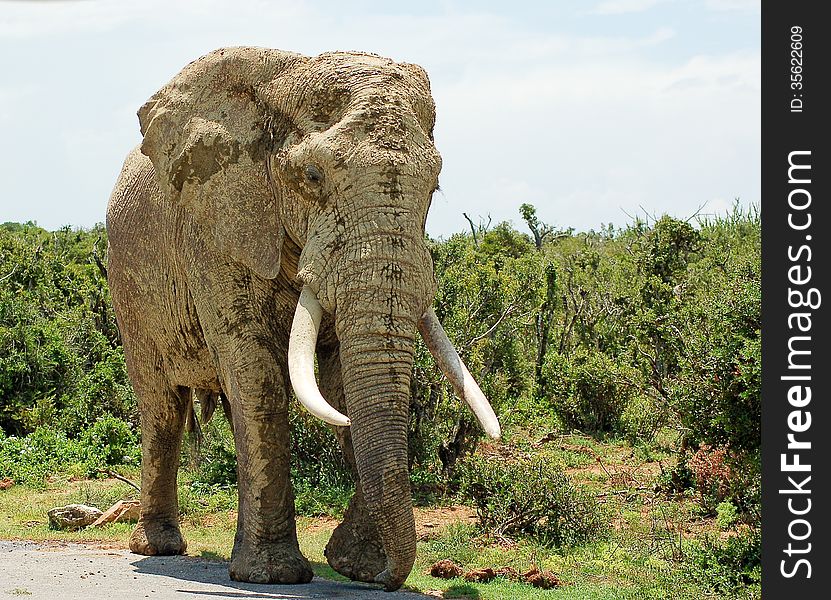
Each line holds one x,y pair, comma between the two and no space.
75,572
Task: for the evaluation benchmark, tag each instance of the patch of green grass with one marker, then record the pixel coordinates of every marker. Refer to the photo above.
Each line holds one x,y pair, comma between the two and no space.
23,510
601,570
651,551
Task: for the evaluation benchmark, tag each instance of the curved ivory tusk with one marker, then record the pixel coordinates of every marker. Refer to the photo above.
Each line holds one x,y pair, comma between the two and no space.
302,342
455,370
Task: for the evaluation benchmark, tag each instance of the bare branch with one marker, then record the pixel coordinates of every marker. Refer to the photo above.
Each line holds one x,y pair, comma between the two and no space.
472,228
493,327
119,477
9,274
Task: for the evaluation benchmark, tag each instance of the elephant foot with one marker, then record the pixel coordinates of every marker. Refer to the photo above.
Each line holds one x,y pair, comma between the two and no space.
270,563
355,549
157,538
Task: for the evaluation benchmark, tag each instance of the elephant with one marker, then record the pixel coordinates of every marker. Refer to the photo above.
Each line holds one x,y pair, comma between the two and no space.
273,216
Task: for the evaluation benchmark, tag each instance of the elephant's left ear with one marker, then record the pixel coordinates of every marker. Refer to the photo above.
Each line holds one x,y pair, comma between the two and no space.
207,134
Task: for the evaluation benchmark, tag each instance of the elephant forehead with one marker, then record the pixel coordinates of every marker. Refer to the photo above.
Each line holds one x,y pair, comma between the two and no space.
325,88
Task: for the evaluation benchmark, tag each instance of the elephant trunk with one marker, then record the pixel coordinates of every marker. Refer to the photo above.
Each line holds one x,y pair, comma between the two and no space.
377,345
376,387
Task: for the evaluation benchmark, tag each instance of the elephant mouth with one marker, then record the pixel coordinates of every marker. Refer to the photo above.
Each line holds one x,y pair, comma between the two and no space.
303,340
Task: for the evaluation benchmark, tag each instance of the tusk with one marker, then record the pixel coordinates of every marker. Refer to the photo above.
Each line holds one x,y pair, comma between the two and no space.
302,342
455,370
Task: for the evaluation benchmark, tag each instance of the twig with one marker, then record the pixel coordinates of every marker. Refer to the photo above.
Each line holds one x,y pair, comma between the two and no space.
102,268
472,229
5,277
119,477
493,327
640,488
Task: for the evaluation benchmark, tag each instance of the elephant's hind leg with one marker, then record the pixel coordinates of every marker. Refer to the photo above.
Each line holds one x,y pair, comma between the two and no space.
162,411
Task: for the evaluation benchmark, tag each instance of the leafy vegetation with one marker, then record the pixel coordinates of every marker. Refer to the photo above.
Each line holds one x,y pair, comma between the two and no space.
531,498
61,363
646,337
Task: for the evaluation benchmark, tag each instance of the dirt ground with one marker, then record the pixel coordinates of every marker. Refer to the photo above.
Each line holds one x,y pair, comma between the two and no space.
429,522
61,571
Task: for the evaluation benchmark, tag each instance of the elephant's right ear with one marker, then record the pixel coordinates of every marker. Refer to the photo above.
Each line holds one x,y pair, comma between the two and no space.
208,133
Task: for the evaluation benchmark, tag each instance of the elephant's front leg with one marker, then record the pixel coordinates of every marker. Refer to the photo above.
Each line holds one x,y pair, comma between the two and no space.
355,549
265,547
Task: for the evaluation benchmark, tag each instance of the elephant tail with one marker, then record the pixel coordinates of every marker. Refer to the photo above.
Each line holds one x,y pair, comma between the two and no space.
208,401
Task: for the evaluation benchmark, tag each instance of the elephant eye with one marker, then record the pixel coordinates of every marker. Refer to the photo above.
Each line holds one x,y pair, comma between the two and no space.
313,174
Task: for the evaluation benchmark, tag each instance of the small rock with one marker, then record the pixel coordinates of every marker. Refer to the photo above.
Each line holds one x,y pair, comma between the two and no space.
541,579
446,569
72,516
123,511
480,575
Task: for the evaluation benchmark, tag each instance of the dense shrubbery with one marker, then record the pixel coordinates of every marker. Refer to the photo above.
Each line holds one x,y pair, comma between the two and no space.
530,497
618,331
727,566
587,389
31,459
61,363
623,331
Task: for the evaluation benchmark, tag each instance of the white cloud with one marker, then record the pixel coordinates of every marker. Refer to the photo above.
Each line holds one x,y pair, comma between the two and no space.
590,142
619,7
11,98
752,6
585,125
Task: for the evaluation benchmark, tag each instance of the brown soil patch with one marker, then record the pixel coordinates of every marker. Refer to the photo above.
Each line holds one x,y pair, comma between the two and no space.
594,469
429,522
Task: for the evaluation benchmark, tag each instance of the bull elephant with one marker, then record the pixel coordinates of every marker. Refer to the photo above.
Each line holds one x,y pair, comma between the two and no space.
273,214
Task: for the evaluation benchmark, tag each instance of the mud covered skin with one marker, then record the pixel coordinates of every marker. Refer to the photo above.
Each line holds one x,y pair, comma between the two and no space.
261,171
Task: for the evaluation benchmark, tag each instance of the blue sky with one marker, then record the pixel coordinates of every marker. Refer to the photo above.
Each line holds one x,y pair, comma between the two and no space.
592,110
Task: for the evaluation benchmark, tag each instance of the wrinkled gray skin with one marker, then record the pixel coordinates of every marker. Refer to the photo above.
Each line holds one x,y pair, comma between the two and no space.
262,171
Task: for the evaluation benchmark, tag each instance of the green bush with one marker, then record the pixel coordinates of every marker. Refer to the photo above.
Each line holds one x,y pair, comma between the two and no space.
31,459
214,459
316,457
732,567
197,498
46,451
531,498
110,442
726,514
318,501
718,393
61,363
642,418
588,390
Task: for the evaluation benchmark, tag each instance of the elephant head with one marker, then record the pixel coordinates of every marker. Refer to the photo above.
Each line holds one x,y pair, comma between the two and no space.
273,152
